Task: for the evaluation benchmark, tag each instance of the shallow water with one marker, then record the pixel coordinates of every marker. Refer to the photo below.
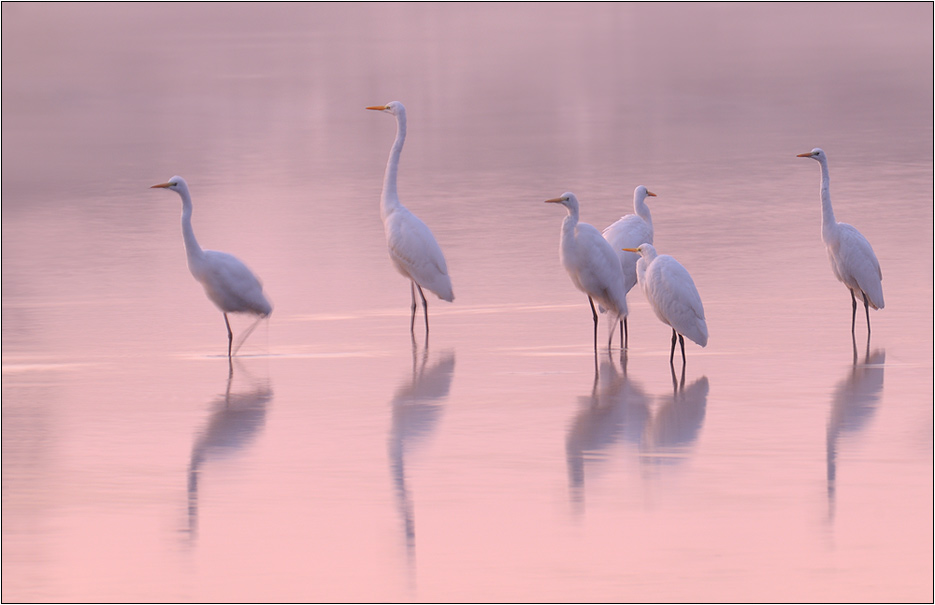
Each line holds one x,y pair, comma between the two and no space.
338,459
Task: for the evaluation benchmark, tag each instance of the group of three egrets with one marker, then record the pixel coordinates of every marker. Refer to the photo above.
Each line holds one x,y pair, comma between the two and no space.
603,266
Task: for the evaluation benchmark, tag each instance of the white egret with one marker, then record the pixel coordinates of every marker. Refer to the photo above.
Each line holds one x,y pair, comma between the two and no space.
852,258
672,295
413,249
591,263
628,232
227,281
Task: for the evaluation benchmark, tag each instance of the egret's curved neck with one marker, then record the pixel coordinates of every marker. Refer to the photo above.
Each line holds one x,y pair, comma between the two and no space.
569,224
641,209
827,213
192,249
643,264
390,199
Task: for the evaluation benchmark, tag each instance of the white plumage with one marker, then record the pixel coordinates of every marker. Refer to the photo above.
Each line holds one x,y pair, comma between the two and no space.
413,249
672,294
229,284
629,232
591,263
852,258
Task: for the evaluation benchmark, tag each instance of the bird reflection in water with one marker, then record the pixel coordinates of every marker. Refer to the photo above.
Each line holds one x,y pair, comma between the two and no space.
616,409
416,409
854,403
237,417
676,421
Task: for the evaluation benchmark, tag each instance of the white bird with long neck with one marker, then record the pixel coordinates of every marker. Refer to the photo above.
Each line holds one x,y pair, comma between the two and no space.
672,294
413,249
629,232
852,258
230,285
591,263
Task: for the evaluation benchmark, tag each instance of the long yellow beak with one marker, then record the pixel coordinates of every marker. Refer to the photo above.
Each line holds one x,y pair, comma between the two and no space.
637,250
378,107
161,186
555,200
650,193
806,155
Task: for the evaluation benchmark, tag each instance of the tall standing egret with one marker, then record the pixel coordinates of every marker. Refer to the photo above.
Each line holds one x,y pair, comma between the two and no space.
628,232
672,295
591,263
227,281
852,258
413,249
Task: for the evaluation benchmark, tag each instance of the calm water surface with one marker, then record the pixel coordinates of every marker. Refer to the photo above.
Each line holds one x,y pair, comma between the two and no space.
500,459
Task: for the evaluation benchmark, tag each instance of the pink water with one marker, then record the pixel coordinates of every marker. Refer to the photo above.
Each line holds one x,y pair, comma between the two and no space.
341,461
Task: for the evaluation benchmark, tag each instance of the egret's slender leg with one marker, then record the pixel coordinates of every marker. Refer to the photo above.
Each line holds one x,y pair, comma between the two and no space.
594,313
626,334
867,311
412,318
682,344
672,350
230,336
425,309
853,311
623,338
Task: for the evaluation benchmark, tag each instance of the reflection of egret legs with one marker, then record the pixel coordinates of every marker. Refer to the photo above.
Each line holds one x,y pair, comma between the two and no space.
676,384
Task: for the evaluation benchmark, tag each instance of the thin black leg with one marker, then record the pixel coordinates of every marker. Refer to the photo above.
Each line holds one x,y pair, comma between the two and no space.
682,344
412,317
425,309
230,336
867,311
853,311
626,334
672,350
594,313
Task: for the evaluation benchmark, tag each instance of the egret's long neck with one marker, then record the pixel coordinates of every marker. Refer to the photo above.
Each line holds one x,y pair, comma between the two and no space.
827,213
642,210
192,249
642,265
569,225
389,202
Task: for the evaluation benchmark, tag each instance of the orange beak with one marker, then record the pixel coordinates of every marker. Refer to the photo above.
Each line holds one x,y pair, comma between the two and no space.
161,186
378,107
650,193
806,155
555,200
637,250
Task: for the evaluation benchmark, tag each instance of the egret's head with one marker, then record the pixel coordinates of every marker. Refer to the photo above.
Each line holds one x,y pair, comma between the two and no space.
176,184
816,154
645,250
642,192
567,199
393,107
